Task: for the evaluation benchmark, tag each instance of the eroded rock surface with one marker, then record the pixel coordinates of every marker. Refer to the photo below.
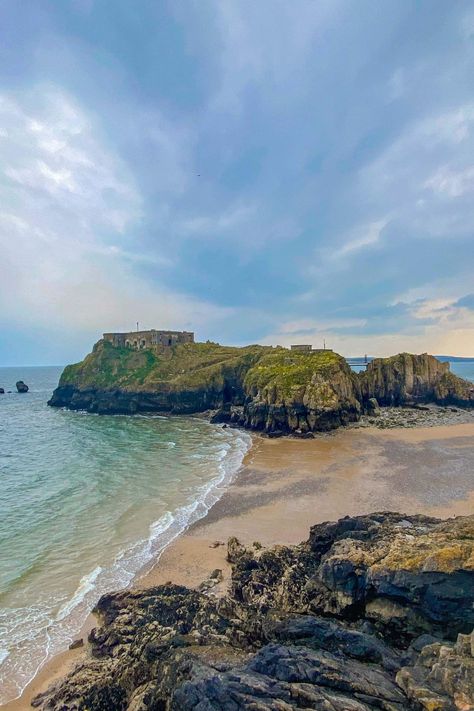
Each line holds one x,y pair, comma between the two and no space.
261,388
362,616
407,378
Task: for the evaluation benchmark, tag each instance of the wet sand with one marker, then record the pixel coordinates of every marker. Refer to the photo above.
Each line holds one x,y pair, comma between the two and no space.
286,485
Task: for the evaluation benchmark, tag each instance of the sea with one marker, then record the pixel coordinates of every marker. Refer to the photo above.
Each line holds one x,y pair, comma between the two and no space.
86,503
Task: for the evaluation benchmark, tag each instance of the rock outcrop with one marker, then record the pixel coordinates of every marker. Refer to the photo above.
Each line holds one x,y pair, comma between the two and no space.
262,388
21,387
362,616
442,677
298,392
406,379
183,379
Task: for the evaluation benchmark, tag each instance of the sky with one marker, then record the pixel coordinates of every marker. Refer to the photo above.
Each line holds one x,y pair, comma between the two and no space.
275,172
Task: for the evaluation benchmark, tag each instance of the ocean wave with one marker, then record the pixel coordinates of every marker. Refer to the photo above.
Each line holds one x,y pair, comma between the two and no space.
42,633
86,585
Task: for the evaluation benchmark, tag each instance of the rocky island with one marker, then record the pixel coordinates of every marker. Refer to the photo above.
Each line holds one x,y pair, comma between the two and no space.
270,389
371,612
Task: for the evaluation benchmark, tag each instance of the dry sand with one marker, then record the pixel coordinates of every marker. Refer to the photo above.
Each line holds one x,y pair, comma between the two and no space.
286,485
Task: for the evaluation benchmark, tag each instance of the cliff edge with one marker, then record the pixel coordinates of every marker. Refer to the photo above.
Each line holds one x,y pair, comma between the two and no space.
406,379
259,387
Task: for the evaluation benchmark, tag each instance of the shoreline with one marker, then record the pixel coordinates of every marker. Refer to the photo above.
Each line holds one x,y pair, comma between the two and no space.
285,485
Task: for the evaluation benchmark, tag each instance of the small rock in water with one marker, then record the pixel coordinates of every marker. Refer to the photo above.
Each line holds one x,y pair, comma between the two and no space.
76,644
22,387
2,391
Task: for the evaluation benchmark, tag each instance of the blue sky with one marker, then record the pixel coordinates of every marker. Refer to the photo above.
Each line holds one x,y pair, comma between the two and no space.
267,171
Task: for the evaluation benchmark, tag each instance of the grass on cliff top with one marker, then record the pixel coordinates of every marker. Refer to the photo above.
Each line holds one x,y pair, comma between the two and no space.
288,371
190,365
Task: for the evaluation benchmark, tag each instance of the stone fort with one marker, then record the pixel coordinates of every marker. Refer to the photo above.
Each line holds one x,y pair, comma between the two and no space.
148,339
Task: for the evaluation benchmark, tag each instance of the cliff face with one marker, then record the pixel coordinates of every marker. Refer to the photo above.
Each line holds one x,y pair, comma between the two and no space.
270,389
290,391
407,378
371,613
186,378
258,387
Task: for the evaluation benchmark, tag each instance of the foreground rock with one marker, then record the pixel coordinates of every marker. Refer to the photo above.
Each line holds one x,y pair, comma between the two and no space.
372,612
22,387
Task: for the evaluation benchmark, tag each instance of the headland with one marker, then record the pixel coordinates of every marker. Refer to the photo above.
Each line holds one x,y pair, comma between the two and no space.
268,389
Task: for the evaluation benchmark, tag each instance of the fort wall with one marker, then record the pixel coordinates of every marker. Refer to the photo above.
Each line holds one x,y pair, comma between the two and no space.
148,339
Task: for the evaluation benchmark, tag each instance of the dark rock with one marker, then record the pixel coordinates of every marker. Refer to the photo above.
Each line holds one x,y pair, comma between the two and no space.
303,435
22,387
212,580
76,644
410,379
324,625
216,544
2,391
442,676
235,550
372,406
221,415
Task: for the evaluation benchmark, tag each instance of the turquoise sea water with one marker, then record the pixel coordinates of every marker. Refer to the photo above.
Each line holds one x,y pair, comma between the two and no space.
465,369
86,502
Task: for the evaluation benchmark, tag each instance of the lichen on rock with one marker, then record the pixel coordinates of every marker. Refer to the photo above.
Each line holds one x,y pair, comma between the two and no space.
337,623
258,387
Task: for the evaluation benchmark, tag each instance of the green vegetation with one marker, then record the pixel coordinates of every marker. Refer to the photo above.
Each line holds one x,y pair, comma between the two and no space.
287,373
185,366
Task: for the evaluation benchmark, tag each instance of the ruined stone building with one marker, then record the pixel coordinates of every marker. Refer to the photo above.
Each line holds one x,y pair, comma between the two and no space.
148,339
307,348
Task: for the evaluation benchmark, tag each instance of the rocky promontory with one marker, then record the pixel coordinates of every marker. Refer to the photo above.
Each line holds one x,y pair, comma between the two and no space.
407,379
274,390
371,612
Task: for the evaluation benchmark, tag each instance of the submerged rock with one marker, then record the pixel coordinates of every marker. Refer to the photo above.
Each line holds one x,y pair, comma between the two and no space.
22,387
2,391
332,624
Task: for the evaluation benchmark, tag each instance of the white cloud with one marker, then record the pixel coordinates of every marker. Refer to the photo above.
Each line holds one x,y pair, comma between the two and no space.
451,182
69,204
364,236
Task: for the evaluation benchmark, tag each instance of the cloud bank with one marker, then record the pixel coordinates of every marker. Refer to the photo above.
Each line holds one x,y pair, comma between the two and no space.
251,172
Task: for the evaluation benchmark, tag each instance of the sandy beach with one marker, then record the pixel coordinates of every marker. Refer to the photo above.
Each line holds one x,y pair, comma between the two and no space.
286,485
